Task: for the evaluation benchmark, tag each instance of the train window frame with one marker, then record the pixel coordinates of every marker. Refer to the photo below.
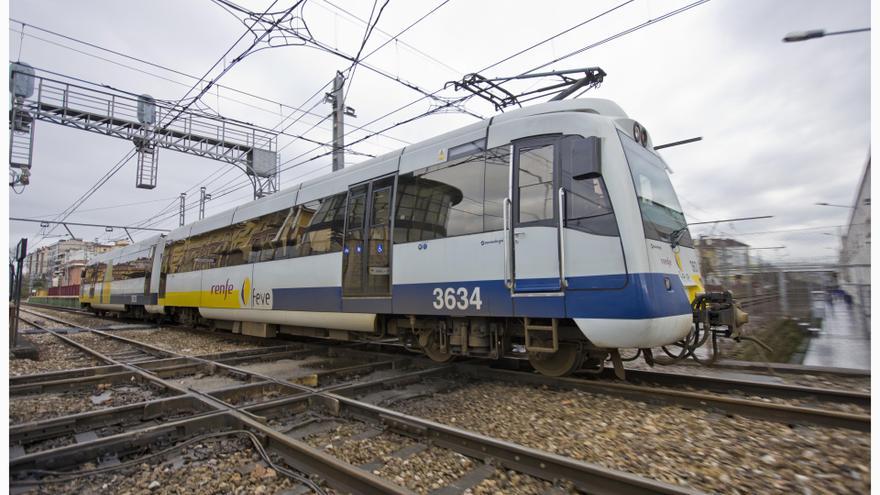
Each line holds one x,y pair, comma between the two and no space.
575,183
421,227
529,143
649,227
336,225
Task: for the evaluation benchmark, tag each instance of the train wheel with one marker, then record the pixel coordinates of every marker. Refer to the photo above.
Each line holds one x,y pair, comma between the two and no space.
563,362
432,349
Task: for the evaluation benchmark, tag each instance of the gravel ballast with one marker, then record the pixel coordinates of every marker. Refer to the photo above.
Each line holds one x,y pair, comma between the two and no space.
215,467
686,447
184,342
54,355
28,408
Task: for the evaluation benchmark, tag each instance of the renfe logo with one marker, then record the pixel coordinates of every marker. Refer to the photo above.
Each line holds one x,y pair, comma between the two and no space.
225,289
245,290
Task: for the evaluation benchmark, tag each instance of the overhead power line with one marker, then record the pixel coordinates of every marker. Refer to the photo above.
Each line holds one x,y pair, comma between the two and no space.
450,102
240,9
396,37
129,227
281,106
131,154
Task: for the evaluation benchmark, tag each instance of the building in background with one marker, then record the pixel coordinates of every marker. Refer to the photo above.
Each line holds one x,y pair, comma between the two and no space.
62,263
722,261
854,275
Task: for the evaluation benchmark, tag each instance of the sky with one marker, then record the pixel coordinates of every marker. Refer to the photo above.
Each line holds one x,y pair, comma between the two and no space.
784,125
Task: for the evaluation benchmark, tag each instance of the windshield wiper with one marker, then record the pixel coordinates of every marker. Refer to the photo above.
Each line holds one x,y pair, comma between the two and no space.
676,235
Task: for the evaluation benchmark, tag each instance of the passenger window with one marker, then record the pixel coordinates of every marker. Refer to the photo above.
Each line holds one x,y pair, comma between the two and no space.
535,184
441,201
324,233
497,181
173,259
587,208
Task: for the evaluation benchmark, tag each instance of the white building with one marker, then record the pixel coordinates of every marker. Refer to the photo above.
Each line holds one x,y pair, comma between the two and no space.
855,256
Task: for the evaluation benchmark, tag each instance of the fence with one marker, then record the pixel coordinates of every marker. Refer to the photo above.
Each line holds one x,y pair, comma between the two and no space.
64,290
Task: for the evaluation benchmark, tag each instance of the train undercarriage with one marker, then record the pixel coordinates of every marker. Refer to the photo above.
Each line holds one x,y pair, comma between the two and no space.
553,346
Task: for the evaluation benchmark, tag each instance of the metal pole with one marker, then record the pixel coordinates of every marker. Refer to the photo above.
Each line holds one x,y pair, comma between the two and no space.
202,200
20,255
182,214
338,100
783,293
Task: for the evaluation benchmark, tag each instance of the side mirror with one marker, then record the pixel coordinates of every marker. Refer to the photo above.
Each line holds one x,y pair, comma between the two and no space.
582,157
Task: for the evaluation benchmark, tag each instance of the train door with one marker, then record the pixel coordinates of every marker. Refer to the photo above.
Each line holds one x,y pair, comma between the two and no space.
534,217
157,277
366,252
148,273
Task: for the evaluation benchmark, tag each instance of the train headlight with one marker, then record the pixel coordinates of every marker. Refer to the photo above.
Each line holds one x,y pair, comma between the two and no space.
640,135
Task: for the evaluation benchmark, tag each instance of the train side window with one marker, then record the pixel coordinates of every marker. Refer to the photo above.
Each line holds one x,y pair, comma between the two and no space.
441,201
265,230
324,233
173,258
535,184
299,220
587,208
497,178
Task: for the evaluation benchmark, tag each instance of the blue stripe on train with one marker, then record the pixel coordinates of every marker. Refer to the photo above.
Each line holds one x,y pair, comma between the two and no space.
643,295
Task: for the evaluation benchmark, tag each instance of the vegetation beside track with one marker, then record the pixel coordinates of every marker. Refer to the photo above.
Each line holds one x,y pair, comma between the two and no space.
786,337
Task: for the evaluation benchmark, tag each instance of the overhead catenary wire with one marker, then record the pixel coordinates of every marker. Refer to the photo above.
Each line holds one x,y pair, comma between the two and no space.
131,154
402,42
352,70
282,106
464,98
171,205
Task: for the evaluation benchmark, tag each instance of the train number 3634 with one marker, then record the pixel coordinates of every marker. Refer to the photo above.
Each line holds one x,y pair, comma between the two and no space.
459,298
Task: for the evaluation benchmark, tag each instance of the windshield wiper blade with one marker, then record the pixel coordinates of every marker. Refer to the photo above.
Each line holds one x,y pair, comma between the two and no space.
676,236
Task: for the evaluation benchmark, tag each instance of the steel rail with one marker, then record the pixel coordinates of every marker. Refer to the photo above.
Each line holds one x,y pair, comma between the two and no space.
592,478
756,409
726,385
786,368
86,421
589,477
299,455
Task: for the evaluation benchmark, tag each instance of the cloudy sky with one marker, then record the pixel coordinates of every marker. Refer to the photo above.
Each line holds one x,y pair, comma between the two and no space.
784,125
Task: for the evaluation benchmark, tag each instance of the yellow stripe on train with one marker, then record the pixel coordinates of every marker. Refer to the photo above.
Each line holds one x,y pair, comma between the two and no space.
204,299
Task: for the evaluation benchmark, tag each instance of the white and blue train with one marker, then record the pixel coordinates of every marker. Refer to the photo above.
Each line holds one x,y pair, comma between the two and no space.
551,232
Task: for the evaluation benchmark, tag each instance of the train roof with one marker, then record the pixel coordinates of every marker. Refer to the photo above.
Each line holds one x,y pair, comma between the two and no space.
417,155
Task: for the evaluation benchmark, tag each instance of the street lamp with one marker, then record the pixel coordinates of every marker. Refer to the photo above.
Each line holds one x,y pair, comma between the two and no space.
836,206
817,33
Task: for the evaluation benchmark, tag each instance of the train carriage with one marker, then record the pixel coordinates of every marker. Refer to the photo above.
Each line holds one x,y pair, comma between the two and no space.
550,232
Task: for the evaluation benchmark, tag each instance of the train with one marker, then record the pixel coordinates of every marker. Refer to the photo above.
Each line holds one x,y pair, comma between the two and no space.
550,233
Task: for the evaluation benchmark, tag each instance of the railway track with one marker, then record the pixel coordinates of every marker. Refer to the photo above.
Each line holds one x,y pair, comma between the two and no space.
255,401
811,405
721,364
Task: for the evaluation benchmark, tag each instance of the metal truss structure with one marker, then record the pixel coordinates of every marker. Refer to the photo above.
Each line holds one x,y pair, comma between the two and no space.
146,123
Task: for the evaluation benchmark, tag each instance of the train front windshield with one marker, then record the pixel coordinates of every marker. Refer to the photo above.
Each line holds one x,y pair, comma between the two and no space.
661,212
